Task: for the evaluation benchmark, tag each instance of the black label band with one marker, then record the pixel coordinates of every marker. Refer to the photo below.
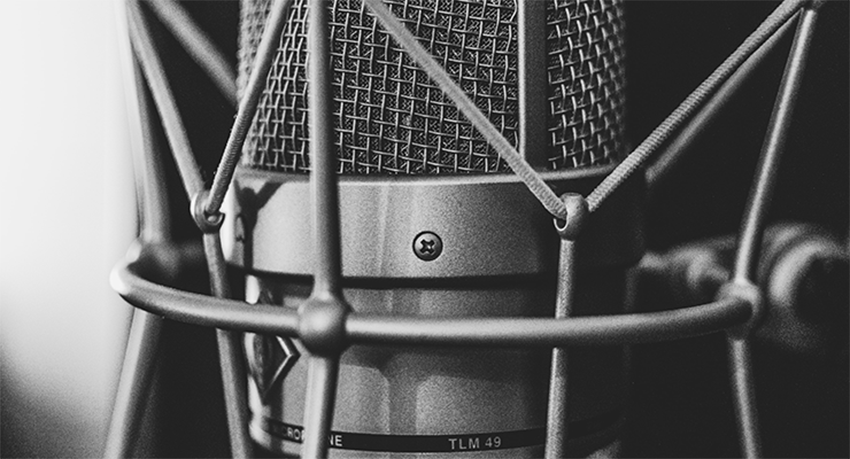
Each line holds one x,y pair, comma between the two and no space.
439,443
415,443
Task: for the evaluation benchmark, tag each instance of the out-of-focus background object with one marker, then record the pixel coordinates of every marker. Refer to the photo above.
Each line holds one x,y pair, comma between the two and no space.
67,212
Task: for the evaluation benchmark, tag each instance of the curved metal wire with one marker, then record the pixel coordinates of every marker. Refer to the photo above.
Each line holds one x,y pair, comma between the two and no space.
427,331
195,308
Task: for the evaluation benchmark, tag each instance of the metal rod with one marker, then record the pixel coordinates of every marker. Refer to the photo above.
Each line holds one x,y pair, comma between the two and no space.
138,366
322,376
233,375
323,179
198,45
152,192
215,265
557,419
195,308
436,72
234,384
746,412
533,83
266,51
154,72
752,226
677,148
532,332
325,305
430,331
133,385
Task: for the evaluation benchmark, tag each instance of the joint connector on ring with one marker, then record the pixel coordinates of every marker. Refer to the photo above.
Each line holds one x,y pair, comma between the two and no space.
207,223
577,211
322,325
749,293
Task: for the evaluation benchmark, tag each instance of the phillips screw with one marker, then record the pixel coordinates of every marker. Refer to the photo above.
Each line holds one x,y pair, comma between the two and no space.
427,246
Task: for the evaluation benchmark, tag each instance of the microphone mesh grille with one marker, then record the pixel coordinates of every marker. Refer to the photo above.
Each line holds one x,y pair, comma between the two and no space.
390,118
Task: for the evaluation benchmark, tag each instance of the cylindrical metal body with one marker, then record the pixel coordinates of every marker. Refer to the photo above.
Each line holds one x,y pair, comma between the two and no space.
433,223
497,259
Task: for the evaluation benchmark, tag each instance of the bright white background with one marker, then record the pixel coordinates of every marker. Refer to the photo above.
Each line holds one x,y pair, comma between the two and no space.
66,216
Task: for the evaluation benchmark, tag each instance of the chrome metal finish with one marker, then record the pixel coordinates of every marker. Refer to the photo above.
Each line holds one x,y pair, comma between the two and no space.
456,393
138,365
162,262
134,384
155,75
557,417
147,166
743,388
750,294
206,222
534,111
277,353
427,246
443,292
324,191
232,362
324,323
506,151
322,316
192,307
579,77
230,356
429,331
247,106
319,407
533,332
752,226
505,230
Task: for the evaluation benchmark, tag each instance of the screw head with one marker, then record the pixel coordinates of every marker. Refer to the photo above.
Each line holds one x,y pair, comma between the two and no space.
427,246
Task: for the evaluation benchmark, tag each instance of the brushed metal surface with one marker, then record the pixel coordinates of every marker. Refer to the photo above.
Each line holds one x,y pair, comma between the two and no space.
453,392
489,225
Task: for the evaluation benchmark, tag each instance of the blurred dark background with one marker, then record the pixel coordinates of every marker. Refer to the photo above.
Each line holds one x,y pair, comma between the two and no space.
681,400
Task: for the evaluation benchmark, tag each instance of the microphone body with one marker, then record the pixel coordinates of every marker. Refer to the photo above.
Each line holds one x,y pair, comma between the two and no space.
433,224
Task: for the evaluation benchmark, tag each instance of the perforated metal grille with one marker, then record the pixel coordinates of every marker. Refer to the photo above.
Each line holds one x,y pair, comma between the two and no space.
391,118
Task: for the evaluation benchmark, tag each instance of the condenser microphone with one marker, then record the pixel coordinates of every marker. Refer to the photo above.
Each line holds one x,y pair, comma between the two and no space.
434,223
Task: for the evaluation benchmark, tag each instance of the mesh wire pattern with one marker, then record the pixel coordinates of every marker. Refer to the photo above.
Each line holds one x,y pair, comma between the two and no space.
391,118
